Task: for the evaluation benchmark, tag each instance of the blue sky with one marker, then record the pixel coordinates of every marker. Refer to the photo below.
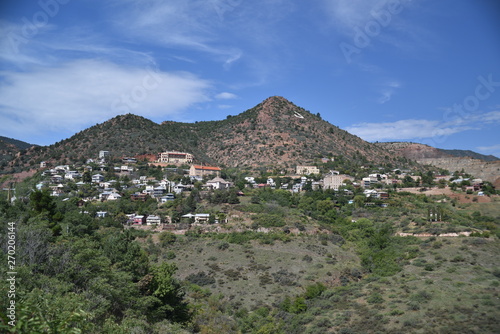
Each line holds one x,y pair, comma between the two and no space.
386,70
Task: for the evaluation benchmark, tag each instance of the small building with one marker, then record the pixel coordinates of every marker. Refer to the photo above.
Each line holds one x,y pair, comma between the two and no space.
103,154
159,191
368,181
139,219
139,197
129,160
167,198
152,219
218,183
97,178
101,214
199,218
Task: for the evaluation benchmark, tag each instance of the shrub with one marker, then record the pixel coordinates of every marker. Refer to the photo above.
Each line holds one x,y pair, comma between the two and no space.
223,245
201,279
167,238
313,291
375,298
170,255
307,258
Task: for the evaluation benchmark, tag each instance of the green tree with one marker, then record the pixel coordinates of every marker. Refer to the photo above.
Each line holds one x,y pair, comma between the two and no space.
169,298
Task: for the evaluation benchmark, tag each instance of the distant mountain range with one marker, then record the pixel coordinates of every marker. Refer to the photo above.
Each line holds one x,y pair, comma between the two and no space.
274,133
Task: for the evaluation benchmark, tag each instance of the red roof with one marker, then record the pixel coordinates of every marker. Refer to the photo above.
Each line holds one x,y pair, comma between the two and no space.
206,168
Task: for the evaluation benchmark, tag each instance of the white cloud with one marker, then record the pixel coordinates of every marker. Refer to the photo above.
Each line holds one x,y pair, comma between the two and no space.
495,148
347,14
179,24
388,90
420,128
77,94
401,130
226,96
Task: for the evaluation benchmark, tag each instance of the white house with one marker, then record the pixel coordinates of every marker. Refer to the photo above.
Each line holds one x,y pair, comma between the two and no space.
198,217
96,178
152,219
218,183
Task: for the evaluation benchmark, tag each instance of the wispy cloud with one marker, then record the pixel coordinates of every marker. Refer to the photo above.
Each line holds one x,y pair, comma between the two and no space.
226,96
387,91
495,148
69,97
410,129
178,24
347,14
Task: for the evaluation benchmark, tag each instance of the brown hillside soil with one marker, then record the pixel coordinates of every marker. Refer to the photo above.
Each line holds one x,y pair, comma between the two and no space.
18,177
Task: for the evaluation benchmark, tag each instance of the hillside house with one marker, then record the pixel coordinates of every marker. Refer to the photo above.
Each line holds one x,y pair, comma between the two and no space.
139,219
201,171
71,175
109,196
56,178
152,219
306,170
179,188
129,160
218,183
167,198
97,178
101,214
103,154
199,218
367,182
139,197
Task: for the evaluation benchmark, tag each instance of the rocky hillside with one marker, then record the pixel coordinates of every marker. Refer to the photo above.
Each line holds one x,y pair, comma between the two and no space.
414,151
276,132
486,170
470,154
9,149
452,160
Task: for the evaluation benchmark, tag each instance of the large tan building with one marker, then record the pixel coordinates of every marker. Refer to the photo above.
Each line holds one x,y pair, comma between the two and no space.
306,170
334,181
200,171
175,157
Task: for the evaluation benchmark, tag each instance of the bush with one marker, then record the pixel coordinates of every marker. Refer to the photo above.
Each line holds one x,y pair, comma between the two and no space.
170,255
201,279
315,290
223,245
307,258
167,238
375,298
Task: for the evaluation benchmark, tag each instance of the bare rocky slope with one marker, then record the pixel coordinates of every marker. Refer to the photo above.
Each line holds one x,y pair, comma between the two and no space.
428,155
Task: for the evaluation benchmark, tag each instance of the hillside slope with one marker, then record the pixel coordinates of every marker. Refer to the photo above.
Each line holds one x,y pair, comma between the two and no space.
451,160
9,149
276,132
